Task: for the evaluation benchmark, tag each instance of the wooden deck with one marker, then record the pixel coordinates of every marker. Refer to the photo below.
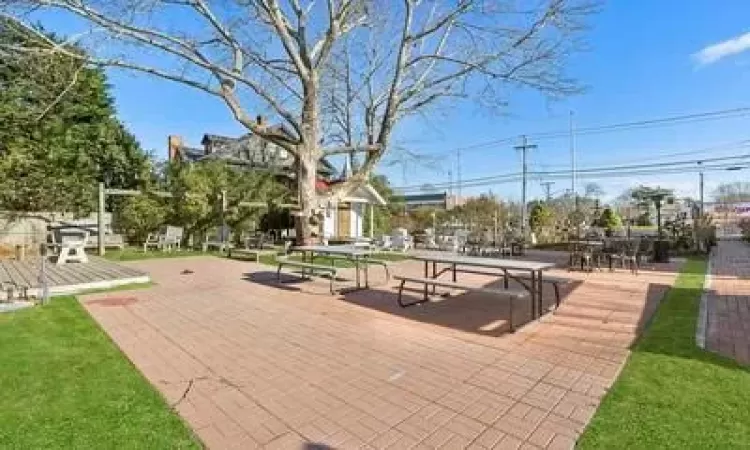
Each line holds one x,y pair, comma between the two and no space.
69,278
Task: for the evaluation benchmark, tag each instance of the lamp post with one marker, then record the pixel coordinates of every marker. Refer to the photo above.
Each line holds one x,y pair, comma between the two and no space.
661,249
700,186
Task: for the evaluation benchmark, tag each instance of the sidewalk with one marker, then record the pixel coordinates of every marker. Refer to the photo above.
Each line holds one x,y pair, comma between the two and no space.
728,302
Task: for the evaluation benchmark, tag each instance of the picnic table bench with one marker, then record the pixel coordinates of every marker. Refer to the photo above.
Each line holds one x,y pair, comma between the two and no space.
307,268
554,281
505,268
512,294
360,257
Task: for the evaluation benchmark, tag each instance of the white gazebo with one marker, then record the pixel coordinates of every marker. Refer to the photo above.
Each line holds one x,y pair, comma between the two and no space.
344,219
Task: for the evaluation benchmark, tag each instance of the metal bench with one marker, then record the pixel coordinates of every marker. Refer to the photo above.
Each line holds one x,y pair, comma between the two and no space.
554,281
363,261
306,268
253,253
512,294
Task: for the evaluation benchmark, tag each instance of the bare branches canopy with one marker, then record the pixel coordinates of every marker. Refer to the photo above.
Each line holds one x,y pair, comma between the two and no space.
337,73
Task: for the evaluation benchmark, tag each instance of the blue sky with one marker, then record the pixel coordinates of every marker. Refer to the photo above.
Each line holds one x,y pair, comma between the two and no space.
642,65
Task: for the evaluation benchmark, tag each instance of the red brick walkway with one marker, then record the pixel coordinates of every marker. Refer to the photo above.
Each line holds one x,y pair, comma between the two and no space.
251,364
728,302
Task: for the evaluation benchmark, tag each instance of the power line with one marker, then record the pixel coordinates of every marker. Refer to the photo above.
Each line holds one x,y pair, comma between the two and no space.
686,165
727,146
599,176
615,127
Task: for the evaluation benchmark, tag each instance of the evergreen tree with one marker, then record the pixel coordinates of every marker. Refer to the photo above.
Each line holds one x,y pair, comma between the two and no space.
59,134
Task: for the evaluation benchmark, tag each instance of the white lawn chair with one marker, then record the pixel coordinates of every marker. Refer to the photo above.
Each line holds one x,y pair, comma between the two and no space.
383,243
461,239
447,244
400,240
221,240
429,241
173,237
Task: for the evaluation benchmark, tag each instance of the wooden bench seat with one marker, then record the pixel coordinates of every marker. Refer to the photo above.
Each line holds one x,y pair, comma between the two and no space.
255,253
307,268
553,280
512,294
366,261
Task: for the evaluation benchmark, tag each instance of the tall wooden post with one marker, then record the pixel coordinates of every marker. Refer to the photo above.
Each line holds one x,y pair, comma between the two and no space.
100,220
372,220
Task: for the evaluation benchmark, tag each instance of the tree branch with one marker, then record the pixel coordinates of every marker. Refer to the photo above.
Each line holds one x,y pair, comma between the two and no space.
347,149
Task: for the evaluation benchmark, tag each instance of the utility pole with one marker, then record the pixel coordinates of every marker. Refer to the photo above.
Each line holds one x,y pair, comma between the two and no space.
524,148
700,177
547,185
573,162
100,220
458,172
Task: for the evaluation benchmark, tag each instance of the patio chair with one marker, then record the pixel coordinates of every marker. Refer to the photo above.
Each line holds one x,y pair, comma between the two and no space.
628,257
166,239
429,242
461,240
154,240
645,251
383,243
221,240
581,254
401,241
173,237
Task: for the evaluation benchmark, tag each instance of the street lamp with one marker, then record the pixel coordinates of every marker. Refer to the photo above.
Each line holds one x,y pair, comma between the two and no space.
657,196
700,175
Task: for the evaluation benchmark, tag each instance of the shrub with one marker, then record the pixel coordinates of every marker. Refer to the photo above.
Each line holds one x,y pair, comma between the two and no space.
139,216
745,229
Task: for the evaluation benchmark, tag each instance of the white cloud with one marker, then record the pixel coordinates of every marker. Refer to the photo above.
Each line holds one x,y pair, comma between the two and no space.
720,50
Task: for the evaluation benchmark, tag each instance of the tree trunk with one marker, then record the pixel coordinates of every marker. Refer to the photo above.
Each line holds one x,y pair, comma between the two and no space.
306,223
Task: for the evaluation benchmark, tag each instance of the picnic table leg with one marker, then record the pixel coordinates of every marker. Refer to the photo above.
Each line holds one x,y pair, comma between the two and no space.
356,268
434,275
533,294
367,273
540,292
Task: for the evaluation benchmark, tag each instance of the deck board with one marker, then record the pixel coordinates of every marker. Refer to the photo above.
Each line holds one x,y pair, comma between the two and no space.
69,278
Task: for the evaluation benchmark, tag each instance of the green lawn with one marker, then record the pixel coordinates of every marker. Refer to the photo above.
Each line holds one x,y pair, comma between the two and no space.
671,394
136,253
64,384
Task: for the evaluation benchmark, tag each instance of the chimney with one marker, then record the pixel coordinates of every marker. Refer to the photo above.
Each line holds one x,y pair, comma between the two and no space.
173,145
260,120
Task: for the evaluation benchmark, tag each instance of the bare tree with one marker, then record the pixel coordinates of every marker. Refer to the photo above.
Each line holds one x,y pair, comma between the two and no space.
339,74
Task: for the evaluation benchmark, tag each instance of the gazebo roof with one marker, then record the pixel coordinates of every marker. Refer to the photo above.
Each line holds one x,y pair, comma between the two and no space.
365,194
362,194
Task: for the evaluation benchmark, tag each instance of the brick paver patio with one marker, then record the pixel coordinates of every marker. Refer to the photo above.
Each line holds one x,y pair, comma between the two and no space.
728,302
249,363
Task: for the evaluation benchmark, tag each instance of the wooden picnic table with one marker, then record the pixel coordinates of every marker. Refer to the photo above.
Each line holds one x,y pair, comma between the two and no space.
459,264
357,254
